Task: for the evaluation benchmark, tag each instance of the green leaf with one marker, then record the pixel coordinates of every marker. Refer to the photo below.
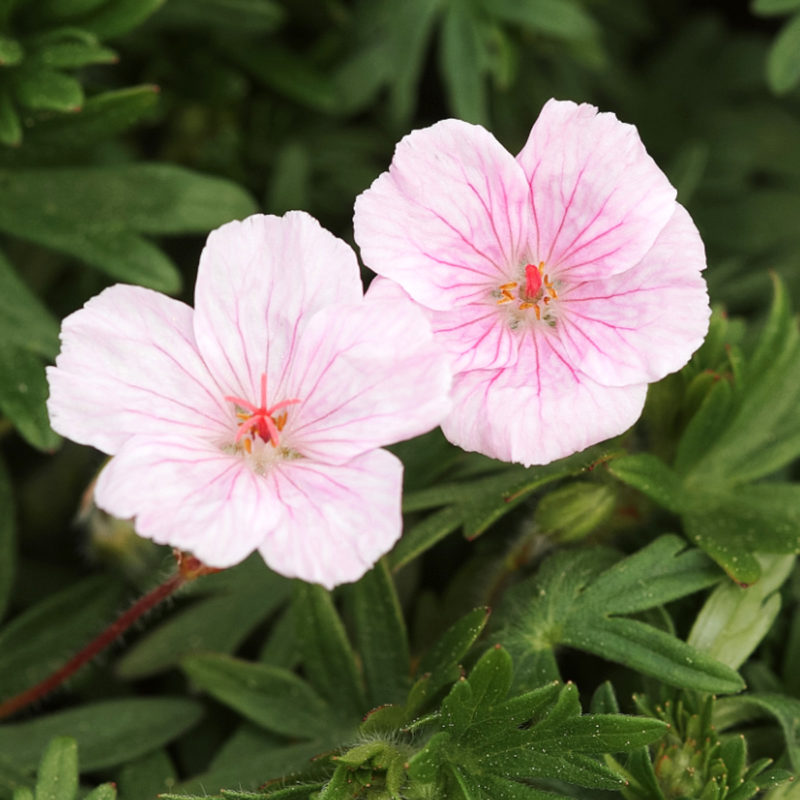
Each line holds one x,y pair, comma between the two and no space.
11,51
446,654
45,89
328,659
105,791
572,599
783,61
58,771
287,73
73,54
767,7
651,476
8,540
564,19
490,499
41,639
117,17
64,9
24,321
482,732
13,780
108,733
10,125
734,523
646,649
478,504
748,430
147,198
92,213
250,772
231,605
381,636
424,535
290,185
271,697
248,17
786,710
147,776
663,571
23,392
461,63
101,117
121,254
408,30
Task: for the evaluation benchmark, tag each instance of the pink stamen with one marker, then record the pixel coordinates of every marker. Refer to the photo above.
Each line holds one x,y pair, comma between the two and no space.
260,417
533,280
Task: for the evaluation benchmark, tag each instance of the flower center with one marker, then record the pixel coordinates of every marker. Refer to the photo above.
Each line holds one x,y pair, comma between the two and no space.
259,420
537,293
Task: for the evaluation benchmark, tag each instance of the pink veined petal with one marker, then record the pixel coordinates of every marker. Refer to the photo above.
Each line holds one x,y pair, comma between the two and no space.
258,283
129,365
368,375
340,518
539,410
598,200
640,325
192,496
476,336
449,218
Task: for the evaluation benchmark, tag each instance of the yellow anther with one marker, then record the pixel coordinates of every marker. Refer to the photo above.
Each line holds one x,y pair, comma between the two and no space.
512,285
538,312
248,444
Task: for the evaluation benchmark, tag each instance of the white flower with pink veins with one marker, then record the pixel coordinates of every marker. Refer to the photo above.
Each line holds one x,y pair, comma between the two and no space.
562,281
254,421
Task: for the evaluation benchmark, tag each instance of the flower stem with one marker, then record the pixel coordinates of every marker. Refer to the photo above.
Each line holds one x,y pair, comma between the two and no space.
188,569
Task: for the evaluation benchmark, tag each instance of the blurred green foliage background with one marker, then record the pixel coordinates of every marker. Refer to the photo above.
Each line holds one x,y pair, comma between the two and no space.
130,128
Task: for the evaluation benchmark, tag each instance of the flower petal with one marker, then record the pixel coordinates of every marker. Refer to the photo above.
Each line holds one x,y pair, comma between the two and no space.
640,325
539,410
450,217
340,519
599,200
476,335
258,283
190,495
367,375
129,365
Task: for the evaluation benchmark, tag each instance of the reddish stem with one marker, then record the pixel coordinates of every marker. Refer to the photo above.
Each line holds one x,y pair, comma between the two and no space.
96,646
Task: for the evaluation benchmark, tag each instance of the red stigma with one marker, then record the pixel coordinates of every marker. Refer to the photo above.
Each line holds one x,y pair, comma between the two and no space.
533,280
260,420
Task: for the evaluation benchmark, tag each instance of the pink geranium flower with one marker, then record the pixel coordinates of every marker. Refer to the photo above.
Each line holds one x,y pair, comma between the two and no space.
252,422
562,281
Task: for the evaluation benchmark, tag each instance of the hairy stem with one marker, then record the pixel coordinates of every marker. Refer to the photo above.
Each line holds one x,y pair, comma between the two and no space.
188,569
